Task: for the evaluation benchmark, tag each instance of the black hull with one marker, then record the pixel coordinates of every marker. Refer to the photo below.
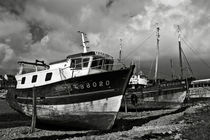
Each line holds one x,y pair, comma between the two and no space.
89,96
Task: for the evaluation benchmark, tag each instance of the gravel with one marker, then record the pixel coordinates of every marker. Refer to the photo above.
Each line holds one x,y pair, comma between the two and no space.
159,124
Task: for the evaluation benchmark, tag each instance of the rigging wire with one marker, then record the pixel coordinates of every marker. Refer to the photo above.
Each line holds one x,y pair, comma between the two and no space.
189,67
142,43
162,74
194,51
139,45
150,70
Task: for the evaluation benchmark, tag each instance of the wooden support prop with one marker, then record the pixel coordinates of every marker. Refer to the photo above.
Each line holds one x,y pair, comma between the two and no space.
33,122
126,110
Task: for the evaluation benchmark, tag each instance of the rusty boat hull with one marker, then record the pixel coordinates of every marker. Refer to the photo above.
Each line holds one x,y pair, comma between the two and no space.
86,102
157,98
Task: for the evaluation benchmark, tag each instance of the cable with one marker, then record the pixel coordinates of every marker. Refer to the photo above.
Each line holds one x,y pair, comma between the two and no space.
189,67
150,73
140,45
194,51
150,70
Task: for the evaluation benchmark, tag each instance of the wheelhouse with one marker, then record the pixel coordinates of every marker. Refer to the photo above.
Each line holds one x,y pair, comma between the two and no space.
93,61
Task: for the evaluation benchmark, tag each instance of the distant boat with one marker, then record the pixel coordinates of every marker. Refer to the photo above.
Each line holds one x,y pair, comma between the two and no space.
138,80
156,94
199,89
6,82
82,91
167,95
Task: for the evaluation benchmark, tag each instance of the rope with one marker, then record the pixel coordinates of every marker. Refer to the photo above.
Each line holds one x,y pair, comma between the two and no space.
150,70
150,73
140,45
194,51
189,67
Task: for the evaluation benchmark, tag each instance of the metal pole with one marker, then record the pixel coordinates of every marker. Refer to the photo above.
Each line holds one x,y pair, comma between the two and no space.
120,53
180,51
157,54
172,71
33,123
126,109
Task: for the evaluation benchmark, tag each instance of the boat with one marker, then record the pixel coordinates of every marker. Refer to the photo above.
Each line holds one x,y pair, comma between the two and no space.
138,80
167,95
82,91
199,90
157,93
6,82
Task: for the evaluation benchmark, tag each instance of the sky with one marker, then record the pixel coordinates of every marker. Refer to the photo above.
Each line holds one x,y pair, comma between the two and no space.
106,22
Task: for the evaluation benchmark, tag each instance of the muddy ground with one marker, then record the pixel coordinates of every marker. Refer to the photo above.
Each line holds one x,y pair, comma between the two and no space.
192,121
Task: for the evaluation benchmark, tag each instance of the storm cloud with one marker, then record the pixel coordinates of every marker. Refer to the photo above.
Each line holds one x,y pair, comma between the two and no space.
24,24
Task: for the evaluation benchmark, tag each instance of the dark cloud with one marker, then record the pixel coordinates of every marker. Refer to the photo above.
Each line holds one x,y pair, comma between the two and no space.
109,3
24,24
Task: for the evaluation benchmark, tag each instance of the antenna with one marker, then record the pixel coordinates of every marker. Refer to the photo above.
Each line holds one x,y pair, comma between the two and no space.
83,35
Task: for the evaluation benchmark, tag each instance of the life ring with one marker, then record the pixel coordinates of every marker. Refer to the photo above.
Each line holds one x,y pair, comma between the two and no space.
134,99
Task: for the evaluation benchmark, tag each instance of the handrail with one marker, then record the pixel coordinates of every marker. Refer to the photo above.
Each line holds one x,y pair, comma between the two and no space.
36,63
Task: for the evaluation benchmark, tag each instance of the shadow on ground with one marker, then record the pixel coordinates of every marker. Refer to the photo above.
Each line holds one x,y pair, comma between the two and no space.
120,125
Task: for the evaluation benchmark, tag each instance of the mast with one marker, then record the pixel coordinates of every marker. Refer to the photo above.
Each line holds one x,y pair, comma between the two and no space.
139,66
172,71
157,53
180,51
83,35
120,53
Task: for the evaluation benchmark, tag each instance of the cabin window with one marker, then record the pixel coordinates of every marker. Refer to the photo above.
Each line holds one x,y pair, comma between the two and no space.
108,64
23,80
48,76
99,63
94,63
73,63
85,62
34,78
76,63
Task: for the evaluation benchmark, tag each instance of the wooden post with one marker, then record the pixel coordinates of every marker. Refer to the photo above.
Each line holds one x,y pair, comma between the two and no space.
33,122
126,110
